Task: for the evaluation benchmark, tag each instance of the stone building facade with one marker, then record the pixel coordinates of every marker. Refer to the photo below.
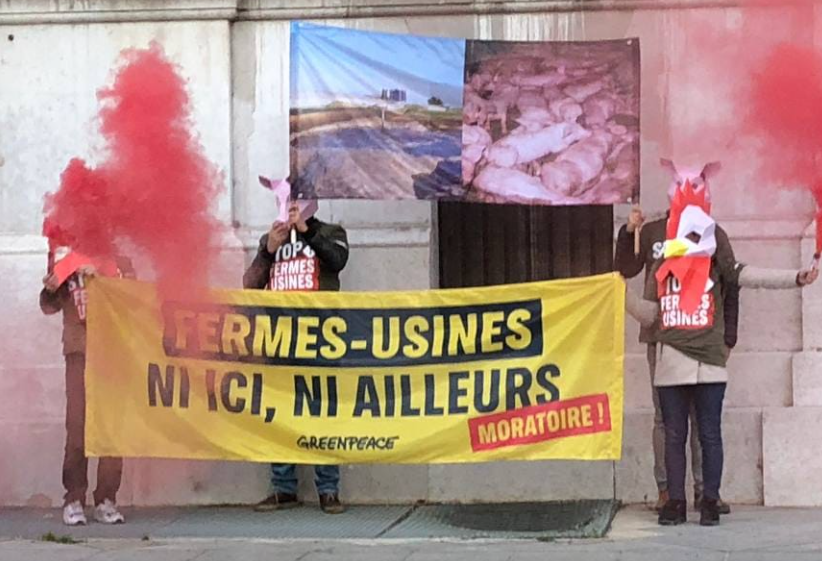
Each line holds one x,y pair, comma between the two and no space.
55,54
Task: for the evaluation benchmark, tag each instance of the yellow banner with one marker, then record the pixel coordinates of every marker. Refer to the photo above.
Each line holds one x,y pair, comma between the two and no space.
520,372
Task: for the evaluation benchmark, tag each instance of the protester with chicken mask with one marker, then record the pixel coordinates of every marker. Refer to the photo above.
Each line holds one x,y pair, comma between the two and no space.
684,297
630,263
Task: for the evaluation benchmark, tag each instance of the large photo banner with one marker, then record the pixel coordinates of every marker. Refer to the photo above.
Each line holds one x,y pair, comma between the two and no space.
386,116
519,372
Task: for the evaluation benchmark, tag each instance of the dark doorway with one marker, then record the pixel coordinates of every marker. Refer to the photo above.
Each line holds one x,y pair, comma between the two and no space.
485,244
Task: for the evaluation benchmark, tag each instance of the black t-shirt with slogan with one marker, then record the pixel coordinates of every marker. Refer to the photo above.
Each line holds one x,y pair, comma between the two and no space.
313,261
295,267
700,335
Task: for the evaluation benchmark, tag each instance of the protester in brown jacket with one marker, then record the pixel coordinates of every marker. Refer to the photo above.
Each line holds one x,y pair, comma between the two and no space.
71,298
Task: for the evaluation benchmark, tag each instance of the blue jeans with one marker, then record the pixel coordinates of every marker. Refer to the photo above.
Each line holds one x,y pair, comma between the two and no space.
676,403
284,479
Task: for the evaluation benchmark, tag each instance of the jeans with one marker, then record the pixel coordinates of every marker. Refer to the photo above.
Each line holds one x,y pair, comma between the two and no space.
676,402
75,463
326,479
658,436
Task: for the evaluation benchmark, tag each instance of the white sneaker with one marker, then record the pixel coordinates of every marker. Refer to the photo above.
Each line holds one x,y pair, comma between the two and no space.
107,513
73,514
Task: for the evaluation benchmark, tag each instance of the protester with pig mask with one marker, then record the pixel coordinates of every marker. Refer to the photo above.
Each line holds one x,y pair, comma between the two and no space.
684,296
630,263
301,254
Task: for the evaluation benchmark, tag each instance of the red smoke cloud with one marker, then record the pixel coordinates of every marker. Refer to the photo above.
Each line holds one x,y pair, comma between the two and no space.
767,65
155,188
746,88
786,110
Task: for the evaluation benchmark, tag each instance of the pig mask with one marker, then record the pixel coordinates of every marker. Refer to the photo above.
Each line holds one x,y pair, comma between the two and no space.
690,236
697,177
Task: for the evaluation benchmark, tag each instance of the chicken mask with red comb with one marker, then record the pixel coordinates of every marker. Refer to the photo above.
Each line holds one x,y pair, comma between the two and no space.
690,236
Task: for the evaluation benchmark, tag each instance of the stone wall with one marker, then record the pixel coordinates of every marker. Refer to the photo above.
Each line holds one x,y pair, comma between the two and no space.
55,54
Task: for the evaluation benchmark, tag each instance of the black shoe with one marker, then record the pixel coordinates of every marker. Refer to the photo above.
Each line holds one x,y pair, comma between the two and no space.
277,501
709,513
330,504
673,513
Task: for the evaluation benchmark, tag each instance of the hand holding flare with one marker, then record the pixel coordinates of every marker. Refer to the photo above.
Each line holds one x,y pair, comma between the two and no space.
817,194
635,221
63,261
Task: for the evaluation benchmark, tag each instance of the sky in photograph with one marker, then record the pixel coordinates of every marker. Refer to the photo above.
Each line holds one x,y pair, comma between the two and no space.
333,63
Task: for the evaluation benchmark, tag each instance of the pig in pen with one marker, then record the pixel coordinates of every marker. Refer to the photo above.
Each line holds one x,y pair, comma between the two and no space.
551,123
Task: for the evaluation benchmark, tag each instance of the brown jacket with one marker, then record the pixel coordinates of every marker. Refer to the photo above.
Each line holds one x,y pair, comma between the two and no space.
71,298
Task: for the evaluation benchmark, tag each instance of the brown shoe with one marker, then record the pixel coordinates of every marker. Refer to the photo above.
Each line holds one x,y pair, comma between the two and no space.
722,506
660,502
277,501
330,504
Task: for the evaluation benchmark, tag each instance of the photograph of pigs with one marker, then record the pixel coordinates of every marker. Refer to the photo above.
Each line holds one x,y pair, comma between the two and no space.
551,123
375,115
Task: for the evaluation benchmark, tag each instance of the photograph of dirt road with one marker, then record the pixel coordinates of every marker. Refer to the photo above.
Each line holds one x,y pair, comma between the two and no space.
375,115
551,123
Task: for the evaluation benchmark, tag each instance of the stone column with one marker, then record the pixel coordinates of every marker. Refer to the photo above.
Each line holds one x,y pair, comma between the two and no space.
792,436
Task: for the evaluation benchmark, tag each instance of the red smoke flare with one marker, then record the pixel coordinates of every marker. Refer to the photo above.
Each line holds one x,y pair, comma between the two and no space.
817,194
786,110
155,189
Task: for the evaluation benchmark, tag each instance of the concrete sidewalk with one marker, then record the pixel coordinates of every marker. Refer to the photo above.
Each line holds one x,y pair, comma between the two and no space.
750,534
